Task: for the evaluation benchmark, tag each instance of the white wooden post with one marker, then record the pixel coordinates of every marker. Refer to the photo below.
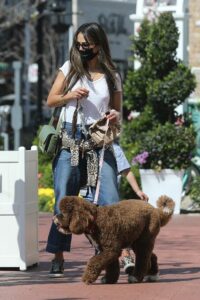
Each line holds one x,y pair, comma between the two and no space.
16,110
19,208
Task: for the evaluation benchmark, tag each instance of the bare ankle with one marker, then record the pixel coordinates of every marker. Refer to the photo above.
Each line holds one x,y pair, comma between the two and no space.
59,256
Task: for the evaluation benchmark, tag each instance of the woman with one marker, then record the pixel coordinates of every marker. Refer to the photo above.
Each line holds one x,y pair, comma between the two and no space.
97,89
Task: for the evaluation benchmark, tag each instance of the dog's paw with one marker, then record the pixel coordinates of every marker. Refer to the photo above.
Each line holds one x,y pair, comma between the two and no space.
132,279
105,280
87,279
151,278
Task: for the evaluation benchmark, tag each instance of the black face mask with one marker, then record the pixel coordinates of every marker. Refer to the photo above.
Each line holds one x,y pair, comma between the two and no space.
87,54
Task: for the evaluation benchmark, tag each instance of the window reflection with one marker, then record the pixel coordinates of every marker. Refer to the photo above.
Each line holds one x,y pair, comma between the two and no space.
149,3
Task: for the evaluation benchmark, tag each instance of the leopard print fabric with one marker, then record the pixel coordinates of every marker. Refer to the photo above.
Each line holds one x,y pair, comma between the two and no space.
86,147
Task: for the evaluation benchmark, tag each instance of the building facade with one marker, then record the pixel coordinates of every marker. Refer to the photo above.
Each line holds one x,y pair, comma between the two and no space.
194,42
113,16
194,33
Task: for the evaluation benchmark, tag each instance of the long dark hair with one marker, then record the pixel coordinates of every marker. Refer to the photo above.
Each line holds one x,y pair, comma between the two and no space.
92,32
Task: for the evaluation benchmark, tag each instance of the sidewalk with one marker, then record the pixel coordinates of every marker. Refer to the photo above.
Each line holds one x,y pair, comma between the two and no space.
177,247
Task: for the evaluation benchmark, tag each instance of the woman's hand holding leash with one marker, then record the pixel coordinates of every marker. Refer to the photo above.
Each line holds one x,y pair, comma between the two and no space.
142,195
113,116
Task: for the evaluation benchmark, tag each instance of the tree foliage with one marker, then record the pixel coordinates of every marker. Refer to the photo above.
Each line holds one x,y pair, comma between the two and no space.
162,81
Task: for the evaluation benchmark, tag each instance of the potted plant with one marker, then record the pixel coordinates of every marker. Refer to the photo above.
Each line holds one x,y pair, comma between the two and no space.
162,155
167,146
158,136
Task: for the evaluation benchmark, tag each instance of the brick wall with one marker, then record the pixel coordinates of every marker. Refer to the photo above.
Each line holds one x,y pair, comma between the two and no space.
194,39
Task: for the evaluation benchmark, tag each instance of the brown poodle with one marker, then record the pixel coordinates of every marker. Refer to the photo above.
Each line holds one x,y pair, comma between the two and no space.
133,224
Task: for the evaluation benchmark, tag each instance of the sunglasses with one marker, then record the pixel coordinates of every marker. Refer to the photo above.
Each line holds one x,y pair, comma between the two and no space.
84,45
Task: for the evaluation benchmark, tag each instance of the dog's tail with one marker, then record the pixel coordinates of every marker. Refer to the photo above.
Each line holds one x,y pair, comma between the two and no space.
165,206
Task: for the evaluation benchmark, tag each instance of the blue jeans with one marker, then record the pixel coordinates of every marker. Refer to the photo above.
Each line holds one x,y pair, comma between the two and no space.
67,181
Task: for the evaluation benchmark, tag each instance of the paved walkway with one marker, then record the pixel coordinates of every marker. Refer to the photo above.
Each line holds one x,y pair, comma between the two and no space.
178,249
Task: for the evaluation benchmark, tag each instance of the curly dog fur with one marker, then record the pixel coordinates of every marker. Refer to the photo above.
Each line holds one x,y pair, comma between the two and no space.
133,224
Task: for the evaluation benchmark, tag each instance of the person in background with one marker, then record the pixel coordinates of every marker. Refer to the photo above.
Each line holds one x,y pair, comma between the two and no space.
124,169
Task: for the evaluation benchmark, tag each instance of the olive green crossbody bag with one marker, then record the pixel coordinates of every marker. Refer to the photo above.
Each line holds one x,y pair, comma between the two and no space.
49,136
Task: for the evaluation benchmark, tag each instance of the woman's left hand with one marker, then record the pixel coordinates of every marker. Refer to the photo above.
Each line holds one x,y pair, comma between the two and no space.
142,196
113,116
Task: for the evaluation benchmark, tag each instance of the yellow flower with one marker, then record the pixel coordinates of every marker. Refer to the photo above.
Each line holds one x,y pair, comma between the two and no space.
46,192
46,199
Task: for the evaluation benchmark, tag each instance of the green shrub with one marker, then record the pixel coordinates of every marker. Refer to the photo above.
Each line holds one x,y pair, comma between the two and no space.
45,175
165,94
162,81
166,147
126,192
132,129
195,190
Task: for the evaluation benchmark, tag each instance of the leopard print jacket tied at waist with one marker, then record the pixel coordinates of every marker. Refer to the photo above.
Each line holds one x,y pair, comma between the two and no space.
87,148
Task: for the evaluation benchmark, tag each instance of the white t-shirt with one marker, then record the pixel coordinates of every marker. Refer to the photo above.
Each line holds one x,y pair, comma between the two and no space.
96,104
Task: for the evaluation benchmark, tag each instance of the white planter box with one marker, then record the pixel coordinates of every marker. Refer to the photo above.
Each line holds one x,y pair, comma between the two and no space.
167,182
19,208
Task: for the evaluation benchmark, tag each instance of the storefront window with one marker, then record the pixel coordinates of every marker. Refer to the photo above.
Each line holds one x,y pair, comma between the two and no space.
149,3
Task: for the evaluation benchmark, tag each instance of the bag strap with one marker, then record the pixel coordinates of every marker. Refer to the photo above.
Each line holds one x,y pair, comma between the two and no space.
74,120
55,116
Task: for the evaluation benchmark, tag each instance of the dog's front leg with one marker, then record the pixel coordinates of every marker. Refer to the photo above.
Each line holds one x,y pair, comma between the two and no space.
96,264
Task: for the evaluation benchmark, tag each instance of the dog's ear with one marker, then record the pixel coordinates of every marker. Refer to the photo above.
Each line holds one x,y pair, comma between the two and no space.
67,204
80,213
81,221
